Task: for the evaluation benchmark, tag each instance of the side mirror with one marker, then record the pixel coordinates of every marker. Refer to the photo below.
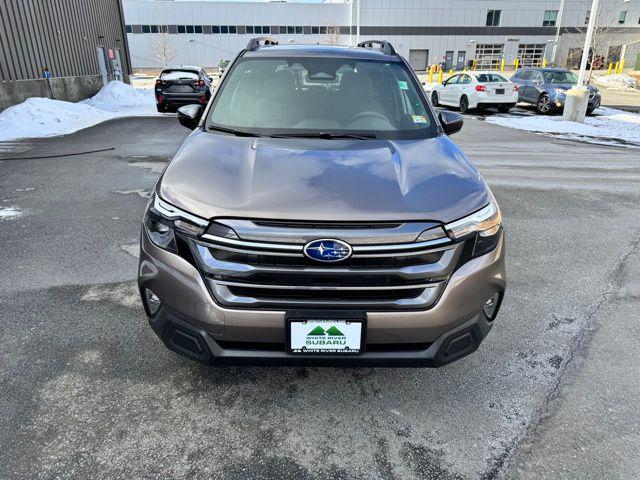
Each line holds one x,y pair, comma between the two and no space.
451,122
189,116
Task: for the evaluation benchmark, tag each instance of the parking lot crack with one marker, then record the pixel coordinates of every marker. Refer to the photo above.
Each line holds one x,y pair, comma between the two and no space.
499,465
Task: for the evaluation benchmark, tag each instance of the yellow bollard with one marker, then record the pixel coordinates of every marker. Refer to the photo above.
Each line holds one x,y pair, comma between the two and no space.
610,68
516,63
621,66
431,74
475,65
615,69
544,63
440,76
451,72
502,65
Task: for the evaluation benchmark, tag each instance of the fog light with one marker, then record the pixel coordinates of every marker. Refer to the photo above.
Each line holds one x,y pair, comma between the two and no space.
490,308
153,302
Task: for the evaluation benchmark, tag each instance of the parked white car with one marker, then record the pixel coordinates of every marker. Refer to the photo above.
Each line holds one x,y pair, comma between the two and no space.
476,90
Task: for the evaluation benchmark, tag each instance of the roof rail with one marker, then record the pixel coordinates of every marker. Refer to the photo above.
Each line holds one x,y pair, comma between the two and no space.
260,42
385,46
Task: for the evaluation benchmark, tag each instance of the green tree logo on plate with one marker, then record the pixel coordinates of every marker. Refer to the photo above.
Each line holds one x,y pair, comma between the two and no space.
318,331
334,332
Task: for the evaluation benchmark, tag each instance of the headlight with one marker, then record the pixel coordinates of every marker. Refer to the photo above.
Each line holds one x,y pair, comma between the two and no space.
560,91
485,225
162,220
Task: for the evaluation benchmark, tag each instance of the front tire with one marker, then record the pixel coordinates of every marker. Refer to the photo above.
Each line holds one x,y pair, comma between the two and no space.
544,105
464,104
435,101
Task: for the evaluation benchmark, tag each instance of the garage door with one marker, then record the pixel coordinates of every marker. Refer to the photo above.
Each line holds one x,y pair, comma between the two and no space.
419,59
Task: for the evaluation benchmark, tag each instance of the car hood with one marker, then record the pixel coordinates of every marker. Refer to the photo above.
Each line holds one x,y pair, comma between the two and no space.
219,175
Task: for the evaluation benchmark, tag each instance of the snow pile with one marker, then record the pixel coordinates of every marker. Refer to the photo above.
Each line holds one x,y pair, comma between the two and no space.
44,117
119,97
608,127
619,81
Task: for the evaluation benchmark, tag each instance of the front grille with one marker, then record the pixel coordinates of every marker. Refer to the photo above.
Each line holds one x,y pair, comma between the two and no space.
267,273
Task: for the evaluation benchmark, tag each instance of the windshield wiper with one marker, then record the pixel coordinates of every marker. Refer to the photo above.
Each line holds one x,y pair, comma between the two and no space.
326,135
237,133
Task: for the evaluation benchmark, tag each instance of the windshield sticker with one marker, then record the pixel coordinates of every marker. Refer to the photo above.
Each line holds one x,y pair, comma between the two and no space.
419,119
403,85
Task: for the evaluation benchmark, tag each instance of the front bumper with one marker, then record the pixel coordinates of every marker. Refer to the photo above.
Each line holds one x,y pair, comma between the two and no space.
193,324
559,100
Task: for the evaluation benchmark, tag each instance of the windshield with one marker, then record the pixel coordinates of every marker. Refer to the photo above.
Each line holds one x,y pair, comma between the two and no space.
179,75
490,78
560,77
328,96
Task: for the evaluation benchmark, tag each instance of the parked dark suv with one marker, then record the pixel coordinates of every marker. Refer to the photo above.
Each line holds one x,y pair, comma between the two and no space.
546,88
320,215
180,86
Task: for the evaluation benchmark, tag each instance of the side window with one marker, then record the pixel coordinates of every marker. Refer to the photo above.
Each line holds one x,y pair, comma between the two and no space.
465,79
536,77
453,80
526,75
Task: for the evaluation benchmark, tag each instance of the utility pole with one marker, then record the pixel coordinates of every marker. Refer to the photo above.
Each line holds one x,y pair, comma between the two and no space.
351,23
358,23
557,39
575,107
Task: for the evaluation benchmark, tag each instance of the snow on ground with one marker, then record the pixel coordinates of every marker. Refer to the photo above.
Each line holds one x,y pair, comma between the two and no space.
8,213
620,81
608,126
44,117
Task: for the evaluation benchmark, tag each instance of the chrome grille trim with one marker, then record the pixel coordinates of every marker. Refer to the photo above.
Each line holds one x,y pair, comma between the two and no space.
353,233
213,266
264,247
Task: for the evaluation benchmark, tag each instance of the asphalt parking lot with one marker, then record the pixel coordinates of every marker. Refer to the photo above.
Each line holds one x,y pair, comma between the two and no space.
88,391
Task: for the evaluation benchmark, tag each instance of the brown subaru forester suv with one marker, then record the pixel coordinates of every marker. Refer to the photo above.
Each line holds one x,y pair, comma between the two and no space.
319,214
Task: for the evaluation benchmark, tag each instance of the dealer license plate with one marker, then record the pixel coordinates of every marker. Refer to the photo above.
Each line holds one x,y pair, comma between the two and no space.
325,336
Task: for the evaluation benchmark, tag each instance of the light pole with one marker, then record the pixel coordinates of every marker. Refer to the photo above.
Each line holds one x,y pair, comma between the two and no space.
557,39
575,107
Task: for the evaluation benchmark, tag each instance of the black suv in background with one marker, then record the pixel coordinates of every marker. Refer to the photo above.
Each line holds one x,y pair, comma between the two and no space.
546,88
180,86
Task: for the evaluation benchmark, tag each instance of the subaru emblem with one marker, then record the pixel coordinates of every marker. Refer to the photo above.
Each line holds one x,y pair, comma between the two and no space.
327,250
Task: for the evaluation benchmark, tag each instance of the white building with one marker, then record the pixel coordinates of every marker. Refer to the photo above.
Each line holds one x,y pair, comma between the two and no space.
451,32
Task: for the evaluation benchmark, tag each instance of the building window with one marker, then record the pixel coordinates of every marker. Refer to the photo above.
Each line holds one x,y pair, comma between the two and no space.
197,29
291,30
623,17
493,18
550,17
206,29
257,30
266,30
233,29
298,30
146,28
190,29
173,29
128,29
224,28
137,28
215,29
315,30
182,29
249,29
323,30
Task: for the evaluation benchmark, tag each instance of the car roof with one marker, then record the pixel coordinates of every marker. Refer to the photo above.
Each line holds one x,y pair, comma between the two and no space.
330,51
486,72
183,67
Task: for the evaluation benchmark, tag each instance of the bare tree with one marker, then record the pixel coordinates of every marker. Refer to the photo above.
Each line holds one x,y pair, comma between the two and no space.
333,35
604,34
161,47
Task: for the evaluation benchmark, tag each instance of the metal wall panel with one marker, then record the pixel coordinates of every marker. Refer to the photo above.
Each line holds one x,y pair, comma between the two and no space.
59,34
